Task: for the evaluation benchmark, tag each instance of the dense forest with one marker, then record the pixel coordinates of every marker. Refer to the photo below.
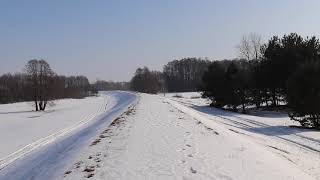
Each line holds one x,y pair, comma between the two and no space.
287,74
284,72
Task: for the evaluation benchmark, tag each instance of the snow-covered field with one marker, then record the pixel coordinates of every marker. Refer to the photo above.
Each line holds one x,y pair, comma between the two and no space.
21,128
169,137
35,145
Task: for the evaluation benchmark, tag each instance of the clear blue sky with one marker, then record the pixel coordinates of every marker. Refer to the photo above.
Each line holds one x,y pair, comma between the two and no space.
108,39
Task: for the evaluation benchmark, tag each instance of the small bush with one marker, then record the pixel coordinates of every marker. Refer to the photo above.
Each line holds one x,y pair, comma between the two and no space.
195,97
177,96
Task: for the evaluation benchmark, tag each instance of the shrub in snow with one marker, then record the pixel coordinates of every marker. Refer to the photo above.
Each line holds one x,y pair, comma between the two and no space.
177,96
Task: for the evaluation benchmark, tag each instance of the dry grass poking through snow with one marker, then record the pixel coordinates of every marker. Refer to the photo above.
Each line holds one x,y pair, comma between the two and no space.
88,166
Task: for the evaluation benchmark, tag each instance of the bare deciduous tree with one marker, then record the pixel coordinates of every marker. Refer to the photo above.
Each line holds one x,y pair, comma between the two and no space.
250,46
40,75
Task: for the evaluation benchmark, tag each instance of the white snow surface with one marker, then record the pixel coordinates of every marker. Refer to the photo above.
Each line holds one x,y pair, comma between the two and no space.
167,138
36,145
153,137
21,128
270,129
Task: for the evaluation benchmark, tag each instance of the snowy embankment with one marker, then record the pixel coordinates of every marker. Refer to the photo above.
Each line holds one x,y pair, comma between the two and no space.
39,144
163,139
270,129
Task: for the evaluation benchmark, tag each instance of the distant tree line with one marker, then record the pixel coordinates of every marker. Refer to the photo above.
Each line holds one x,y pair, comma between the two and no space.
183,75
286,71
147,81
101,85
40,84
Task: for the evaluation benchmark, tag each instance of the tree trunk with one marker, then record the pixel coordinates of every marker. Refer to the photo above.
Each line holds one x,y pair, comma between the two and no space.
40,106
35,102
274,98
44,105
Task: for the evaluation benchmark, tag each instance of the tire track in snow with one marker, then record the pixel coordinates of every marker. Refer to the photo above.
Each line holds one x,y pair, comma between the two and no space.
297,143
300,140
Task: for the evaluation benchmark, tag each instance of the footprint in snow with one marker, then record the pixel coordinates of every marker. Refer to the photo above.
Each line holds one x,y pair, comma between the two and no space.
193,170
67,172
89,169
89,175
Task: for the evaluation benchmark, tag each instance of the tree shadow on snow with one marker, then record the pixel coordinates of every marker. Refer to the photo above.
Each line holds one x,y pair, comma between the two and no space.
233,119
28,111
268,114
16,112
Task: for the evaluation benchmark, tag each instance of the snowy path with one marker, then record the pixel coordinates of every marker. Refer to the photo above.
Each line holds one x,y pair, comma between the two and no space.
46,157
299,146
162,139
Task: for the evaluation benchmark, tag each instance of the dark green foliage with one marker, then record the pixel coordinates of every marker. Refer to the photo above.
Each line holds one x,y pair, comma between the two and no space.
304,94
213,86
226,83
287,72
281,59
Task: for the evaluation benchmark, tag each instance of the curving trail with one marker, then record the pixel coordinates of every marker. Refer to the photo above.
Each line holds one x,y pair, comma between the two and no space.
47,157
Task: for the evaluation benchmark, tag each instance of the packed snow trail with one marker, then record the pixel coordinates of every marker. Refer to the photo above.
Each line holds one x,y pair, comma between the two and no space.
160,141
49,159
271,129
